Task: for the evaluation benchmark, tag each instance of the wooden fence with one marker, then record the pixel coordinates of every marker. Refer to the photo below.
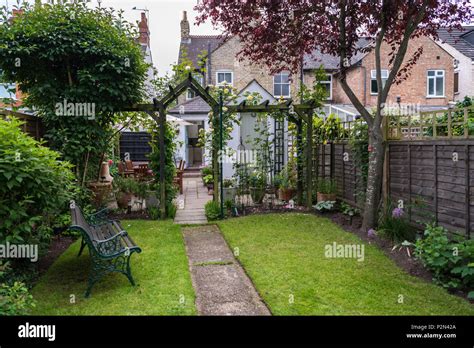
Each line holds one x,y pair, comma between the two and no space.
32,124
429,168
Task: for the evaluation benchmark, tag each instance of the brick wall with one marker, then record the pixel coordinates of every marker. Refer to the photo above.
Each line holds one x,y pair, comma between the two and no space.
414,88
244,72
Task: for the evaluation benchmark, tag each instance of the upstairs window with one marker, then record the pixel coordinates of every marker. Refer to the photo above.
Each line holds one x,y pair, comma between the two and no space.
191,94
7,90
456,82
225,78
373,80
327,83
281,85
435,83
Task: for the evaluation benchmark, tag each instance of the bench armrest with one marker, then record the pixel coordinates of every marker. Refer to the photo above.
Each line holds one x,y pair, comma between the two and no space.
111,247
98,217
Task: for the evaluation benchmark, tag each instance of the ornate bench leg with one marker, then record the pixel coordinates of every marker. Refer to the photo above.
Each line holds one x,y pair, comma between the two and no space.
83,245
98,270
129,272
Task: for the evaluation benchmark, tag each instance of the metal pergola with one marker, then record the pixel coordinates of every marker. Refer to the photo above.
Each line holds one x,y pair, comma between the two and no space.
298,114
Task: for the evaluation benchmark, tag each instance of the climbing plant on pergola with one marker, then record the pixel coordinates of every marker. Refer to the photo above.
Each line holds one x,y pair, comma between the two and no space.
298,114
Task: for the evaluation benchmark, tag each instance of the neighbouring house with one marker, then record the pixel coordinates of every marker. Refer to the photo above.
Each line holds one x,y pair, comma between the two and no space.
429,85
460,44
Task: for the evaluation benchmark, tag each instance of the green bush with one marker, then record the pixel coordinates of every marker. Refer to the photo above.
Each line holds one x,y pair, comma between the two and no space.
212,210
15,299
35,187
326,186
394,225
450,260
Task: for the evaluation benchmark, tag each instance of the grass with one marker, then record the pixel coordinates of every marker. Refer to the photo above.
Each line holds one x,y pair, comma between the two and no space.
160,271
284,256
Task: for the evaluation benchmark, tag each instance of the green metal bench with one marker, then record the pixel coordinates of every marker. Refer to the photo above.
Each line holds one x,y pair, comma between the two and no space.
110,246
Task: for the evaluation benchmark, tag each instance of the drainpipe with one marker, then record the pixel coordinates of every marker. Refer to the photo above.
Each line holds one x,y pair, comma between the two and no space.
209,74
365,85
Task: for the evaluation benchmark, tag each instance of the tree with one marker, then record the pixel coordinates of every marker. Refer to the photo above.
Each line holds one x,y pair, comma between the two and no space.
77,67
279,33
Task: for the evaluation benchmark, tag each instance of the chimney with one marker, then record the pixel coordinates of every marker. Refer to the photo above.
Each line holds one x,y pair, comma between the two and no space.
144,30
184,28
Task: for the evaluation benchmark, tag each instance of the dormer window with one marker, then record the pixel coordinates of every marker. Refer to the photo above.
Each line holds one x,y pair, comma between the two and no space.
281,85
191,94
224,78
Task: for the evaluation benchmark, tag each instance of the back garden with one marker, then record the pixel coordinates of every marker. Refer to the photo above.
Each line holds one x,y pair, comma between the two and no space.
295,228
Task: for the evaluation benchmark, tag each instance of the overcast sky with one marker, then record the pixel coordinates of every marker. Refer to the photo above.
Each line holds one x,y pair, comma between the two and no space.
164,19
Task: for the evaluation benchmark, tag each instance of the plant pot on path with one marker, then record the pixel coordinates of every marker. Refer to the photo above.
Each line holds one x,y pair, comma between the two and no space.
257,194
286,194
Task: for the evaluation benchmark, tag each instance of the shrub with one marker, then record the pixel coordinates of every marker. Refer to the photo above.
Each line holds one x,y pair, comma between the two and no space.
36,186
15,299
326,186
450,260
206,171
212,210
325,206
394,225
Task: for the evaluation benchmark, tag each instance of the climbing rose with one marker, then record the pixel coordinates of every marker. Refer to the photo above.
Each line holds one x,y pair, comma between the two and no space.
397,213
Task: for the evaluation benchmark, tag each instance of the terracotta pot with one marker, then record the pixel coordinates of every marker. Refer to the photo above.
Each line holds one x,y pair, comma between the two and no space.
286,194
324,197
123,199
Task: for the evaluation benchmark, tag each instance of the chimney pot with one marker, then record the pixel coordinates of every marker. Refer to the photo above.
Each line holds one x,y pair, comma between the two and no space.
185,30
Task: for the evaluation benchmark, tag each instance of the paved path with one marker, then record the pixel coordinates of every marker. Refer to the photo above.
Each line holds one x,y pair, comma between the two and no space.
220,283
191,202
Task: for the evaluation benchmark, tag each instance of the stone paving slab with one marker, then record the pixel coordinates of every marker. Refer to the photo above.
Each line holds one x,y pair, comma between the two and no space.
220,283
193,200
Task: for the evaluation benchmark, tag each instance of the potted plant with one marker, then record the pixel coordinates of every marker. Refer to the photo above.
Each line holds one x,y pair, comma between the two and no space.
287,183
209,182
257,182
229,190
124,189
326,190
205,172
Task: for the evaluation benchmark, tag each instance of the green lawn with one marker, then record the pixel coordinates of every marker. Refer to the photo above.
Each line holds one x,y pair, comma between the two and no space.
160,271
284,254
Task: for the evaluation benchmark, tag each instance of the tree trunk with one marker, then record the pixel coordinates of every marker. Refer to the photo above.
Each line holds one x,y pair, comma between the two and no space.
374,177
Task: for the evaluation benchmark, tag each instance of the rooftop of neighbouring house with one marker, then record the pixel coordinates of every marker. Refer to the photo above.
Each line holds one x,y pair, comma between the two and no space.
193,106
196,45
316,58
461,40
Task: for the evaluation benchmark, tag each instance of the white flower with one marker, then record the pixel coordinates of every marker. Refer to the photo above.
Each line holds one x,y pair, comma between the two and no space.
188,67
225,108
250,97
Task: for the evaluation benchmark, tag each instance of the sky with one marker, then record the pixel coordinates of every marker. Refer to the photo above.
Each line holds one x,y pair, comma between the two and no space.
164,22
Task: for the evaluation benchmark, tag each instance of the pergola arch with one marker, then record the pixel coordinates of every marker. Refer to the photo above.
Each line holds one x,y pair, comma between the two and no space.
298,114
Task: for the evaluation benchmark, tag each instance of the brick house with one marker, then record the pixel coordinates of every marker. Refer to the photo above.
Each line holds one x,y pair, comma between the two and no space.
429,85
222,67
460,44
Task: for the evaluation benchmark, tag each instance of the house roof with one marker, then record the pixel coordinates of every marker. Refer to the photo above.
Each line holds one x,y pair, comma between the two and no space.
461,40
193,106
314,59
196,44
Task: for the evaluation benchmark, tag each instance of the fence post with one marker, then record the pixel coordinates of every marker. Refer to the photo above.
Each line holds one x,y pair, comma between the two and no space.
468,193
299,164
309,161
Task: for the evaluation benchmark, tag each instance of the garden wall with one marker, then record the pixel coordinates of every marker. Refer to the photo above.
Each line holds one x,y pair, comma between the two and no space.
434,179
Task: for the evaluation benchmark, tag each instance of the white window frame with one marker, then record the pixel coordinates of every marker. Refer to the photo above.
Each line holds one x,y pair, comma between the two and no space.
373,77
280,83
428,78
225,72
325,82
7,86
201,81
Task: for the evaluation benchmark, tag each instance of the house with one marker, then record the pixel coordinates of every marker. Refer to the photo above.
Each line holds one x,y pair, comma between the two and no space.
430,84
222,67
460,44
